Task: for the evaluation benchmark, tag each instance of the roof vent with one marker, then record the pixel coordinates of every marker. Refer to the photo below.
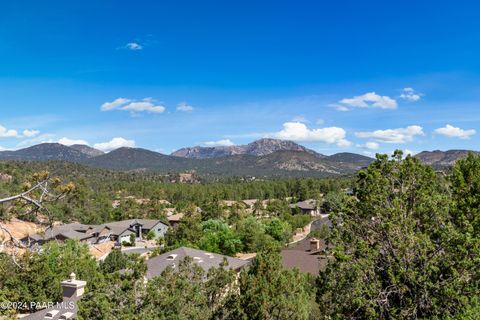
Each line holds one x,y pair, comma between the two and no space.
208,254
171,257
197,259
51,314
66,315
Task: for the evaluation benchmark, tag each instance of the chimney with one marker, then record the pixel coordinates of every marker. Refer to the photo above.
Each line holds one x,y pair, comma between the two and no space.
314,244
73,288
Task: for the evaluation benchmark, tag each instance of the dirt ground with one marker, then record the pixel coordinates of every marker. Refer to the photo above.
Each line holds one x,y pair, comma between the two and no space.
20,229
102,249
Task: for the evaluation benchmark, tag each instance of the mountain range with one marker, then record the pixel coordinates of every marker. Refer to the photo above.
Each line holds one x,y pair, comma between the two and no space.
260,147
261,158
442,159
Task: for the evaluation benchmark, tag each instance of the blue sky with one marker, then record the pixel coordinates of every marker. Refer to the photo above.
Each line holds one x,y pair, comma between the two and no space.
357,76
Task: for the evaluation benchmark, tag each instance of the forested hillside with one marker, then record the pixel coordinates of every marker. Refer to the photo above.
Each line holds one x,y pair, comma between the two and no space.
405,245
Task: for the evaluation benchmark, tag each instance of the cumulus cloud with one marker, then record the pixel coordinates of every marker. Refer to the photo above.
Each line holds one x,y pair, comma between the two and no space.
399,135
7,133
367,100
115,143
454,132
185,107
219,143
30,133
114,104
69,142
410,94
146,104
371,145
140,106
134,46
297,131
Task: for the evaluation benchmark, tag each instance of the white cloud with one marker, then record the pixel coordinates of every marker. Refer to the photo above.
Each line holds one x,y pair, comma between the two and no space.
408,152
339,107
299,118
114,104
344,143
399,135
369,145
30,133
183,106
367,100
410,94
146,104
115,143
42,138
133,46
219,143
297,131
7,133
454,132
69,142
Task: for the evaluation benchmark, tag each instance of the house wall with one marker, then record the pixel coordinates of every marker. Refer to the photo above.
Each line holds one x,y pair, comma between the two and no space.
160,230
123,237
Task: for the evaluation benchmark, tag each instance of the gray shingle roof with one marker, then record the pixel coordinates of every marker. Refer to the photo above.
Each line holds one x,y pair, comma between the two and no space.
61,307
204,259
309,204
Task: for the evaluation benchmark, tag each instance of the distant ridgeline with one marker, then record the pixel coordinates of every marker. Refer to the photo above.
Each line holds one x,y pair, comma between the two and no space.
261,158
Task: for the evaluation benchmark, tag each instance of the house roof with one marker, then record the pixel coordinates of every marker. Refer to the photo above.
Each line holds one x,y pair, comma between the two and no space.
301,257
310,204
204,259
175,217
80,231
75,235
34,236
62,308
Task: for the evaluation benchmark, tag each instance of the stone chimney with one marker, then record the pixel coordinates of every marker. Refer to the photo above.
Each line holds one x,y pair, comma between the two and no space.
73,288
314,244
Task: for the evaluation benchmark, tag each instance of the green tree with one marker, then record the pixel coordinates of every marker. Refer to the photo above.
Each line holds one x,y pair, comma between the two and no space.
115,261
394,246
37,276
267,291
252,234
132,239
150,235
219,237
279,230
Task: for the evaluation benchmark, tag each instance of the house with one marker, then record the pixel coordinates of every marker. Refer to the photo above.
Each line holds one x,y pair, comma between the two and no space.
118,231
174,219
66,309
204,259
305,256
309,206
